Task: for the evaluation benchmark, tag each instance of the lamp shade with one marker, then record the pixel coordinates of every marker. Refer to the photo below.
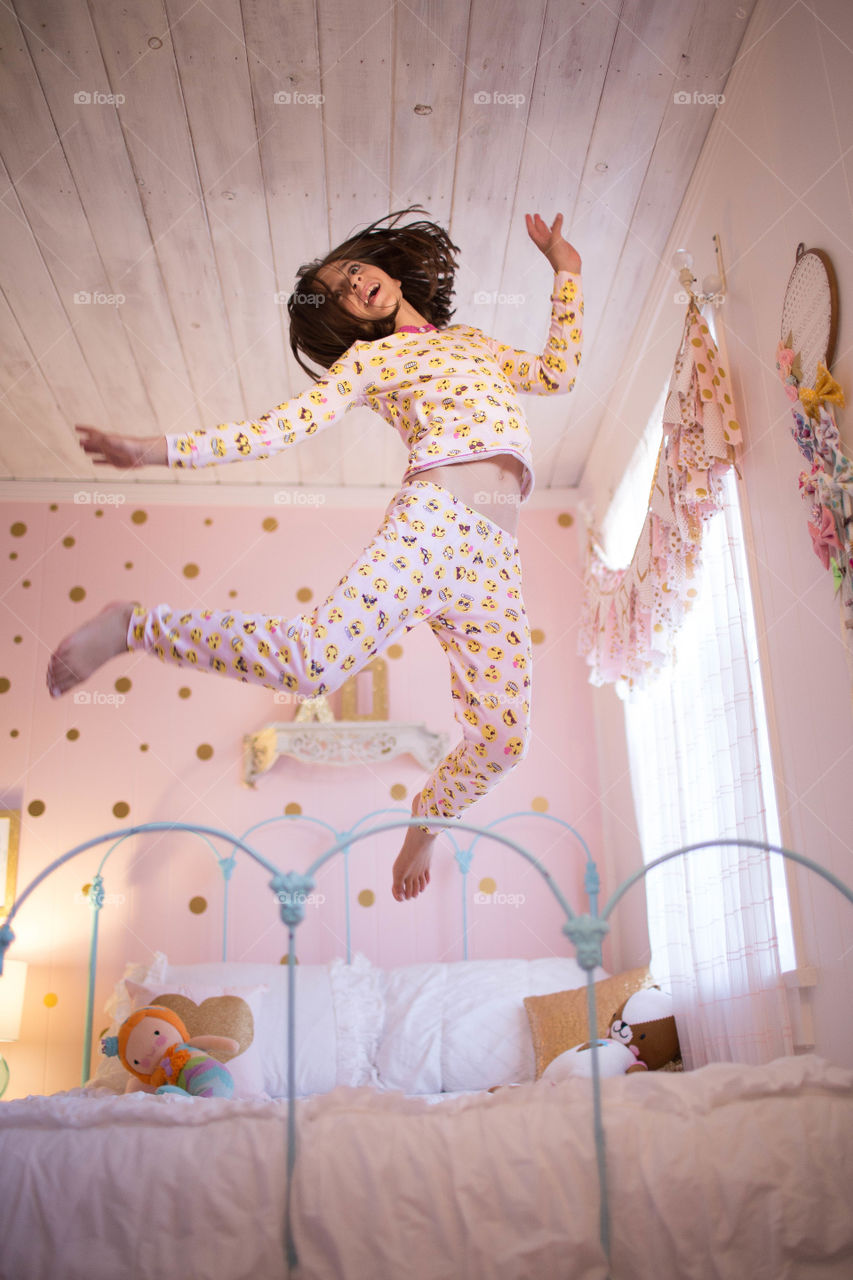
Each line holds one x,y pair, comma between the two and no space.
12,985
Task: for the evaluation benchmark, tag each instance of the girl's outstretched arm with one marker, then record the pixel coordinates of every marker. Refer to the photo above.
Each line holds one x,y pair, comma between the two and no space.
285,425
553,371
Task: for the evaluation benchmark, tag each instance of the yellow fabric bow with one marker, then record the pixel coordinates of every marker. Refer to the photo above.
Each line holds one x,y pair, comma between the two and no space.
825,388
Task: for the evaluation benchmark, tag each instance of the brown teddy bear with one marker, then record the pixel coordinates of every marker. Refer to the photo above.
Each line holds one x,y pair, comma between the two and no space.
645,1024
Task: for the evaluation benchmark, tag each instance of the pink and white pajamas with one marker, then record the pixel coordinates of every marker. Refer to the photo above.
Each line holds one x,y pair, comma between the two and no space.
453,397
433,560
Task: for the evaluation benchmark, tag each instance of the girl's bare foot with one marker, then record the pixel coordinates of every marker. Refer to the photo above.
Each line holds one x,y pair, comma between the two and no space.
92,644
411,869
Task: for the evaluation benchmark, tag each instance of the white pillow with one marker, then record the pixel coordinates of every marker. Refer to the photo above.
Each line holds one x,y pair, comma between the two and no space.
462,1026
486,1036
409,1053
316,1050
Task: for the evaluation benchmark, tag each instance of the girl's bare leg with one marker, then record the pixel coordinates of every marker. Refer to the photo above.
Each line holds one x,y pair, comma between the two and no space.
89,647
411,869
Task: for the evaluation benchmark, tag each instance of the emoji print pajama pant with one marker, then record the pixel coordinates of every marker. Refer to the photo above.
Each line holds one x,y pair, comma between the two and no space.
433,560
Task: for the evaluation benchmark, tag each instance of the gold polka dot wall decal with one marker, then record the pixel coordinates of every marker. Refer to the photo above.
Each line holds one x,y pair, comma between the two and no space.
270,524
204,751
394,651
293,807
36,808
13,555
51,1000
184,692
366,898
304,593
18,529
77,594
121,809
123,684
72,735
487,885
208,520
26,583
69,541
565,519
286,959
537,636
232,593
99,514
143,746
13,733
19,639
191,570
398,791
128,564
198,905
5,684
53,507
539,804
139,517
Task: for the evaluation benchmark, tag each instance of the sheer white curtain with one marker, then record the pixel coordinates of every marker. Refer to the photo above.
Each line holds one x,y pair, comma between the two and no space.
696,739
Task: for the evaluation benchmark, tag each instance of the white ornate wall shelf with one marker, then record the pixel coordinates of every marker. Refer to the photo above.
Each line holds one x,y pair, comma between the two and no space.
339,742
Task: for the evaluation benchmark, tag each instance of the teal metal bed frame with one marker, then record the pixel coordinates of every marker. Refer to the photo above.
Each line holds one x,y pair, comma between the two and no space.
291,889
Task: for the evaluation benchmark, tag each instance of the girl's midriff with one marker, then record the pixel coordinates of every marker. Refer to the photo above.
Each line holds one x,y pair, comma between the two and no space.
491,486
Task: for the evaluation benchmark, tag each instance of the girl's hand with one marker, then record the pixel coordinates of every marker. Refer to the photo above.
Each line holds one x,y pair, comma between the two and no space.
561,255
110,450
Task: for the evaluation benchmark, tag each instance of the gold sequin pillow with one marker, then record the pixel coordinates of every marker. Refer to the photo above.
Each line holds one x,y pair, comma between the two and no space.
559,1021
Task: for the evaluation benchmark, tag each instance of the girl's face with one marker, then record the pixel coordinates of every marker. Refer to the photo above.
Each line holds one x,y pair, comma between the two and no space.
361,288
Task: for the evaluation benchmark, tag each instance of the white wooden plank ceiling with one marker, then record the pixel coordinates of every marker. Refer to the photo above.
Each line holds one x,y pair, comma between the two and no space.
160,192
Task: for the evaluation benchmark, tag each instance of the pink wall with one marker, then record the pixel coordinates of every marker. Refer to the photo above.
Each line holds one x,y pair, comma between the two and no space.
774,172
130,753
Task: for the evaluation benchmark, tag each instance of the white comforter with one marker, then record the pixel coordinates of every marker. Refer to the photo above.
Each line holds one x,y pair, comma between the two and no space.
725,1172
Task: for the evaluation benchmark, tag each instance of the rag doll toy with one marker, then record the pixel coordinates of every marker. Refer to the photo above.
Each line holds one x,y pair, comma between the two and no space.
155,1047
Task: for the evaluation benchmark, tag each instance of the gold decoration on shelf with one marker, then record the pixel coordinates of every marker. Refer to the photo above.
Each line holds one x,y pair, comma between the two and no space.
378,668
315,709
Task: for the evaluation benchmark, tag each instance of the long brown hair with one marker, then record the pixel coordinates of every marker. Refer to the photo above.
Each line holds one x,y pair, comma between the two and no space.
420,255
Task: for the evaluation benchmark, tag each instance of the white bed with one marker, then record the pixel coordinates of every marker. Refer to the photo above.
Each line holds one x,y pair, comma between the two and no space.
406,1167
723,1172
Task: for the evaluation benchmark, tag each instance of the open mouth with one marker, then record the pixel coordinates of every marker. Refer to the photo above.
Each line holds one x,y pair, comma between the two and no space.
371,294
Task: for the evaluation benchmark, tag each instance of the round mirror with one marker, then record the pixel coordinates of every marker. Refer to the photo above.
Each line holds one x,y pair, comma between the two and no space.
810,314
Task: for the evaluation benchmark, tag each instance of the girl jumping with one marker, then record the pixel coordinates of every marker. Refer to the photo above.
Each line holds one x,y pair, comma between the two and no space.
374,314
